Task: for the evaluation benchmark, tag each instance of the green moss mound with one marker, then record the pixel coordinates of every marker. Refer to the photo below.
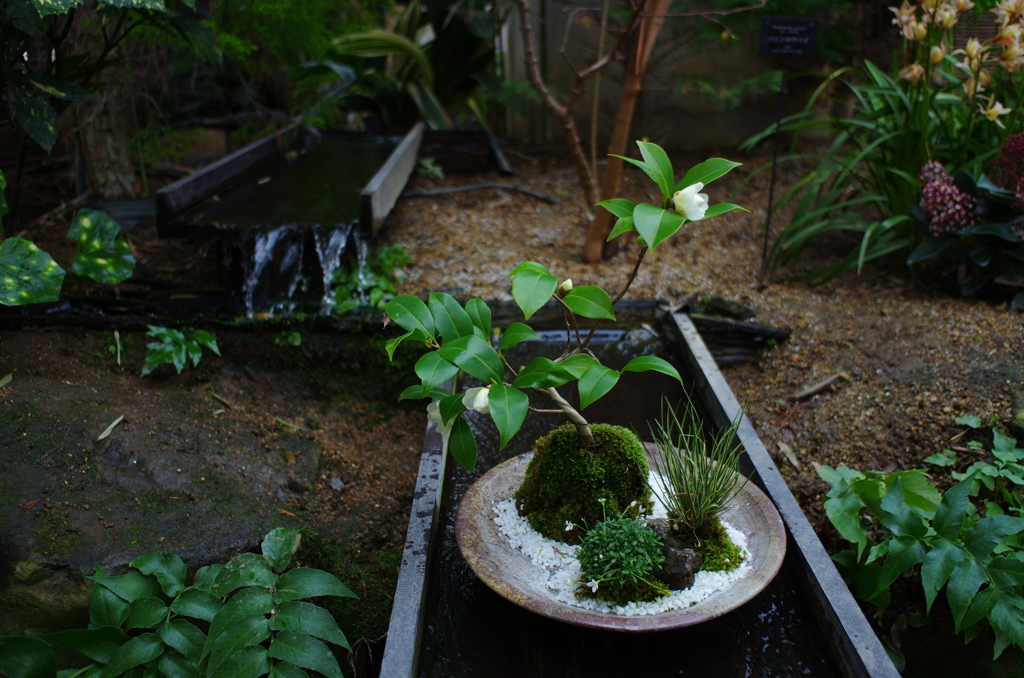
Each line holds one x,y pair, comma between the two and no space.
565,481
712,542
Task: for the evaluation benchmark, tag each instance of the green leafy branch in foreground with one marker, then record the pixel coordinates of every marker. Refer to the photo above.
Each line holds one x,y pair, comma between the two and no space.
457,335
244,619
898,523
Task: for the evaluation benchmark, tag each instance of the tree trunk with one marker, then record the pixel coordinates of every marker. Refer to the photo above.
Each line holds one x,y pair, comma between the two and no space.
106,145
601,226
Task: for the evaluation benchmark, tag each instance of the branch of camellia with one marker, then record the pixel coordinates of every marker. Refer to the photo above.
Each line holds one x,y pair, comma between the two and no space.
575,417
632,277
567,313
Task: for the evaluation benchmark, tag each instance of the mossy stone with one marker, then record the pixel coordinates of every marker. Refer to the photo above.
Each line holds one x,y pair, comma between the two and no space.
565,481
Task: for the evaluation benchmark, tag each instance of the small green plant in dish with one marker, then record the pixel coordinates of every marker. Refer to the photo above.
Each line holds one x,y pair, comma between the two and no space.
697,479
173,348
619,559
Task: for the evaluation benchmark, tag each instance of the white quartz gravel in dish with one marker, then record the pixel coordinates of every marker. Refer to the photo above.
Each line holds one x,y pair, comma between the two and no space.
557,569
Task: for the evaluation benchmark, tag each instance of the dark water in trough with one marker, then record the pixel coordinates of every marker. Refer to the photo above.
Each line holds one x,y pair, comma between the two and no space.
471,631
288,222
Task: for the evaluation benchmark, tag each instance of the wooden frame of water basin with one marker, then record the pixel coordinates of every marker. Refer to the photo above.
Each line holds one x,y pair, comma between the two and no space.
848,639
376,199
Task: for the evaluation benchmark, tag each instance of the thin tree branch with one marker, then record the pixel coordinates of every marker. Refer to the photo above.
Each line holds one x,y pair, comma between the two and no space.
618,297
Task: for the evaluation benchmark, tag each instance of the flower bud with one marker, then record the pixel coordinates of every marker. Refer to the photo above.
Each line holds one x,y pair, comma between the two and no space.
567,285
690,203
946,17
641,242
962,6
936,55
912,73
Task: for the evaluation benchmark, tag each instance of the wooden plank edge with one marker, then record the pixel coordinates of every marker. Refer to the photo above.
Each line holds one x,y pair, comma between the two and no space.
379,196
859,652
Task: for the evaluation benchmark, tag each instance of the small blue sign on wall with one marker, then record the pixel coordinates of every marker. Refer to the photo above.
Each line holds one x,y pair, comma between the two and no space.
788,36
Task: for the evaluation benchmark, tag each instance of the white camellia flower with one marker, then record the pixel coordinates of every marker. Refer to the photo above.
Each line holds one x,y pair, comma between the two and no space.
690,203
434,415
476,399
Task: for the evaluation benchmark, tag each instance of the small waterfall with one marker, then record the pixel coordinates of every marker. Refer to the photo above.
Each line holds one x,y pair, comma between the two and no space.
330,244
362,254
263,246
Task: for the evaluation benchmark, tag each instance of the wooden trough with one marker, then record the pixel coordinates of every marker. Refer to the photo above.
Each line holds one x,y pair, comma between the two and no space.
822,621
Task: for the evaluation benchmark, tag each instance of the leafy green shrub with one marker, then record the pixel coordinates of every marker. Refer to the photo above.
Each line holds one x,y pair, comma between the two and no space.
619,558
898,522
172,348
371,283
930,109
244,619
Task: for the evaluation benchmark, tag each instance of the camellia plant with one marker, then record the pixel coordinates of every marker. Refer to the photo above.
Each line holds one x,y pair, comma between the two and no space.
456,335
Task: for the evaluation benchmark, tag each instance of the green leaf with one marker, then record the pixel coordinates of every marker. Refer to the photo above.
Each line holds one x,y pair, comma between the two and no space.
98,644
649,171
595,382
185,638
208,340
287,670
34,114
107,608
622,225
102,255
394,342
434,370
252,662
1008,615
450,407
988,532
706,172
28,275
3,202
918,491
590,302
135,652
897,515
245,569
516,333
1007,572
904,553
529,266
938,564
944,458
146,613
155,5
206,577
25,17
419,391
843,511
654,224
248,602
480,313
305,651
949,517
578,364
462,445
174,665
22,657
646,363
620,207
168,569
245,632
130,586
307,582
450,319
196,603
969,420
411,314
532,289
58,89
385,43
309,619
508,407
721,208
475,356
280,544
660,167
963,584
1002,442
542,373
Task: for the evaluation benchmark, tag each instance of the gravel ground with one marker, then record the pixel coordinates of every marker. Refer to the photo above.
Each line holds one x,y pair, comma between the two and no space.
910,359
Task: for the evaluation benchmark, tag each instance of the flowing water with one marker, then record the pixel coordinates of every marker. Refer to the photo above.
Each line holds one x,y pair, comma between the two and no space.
471,631
289,221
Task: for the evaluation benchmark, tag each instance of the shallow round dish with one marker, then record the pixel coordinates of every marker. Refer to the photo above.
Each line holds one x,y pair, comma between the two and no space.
509,573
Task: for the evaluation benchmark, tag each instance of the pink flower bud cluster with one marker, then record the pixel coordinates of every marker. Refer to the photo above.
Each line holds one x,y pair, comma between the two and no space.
951,209
1009,166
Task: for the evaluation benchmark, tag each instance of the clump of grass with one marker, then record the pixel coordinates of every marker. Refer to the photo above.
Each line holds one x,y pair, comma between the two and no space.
699,469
